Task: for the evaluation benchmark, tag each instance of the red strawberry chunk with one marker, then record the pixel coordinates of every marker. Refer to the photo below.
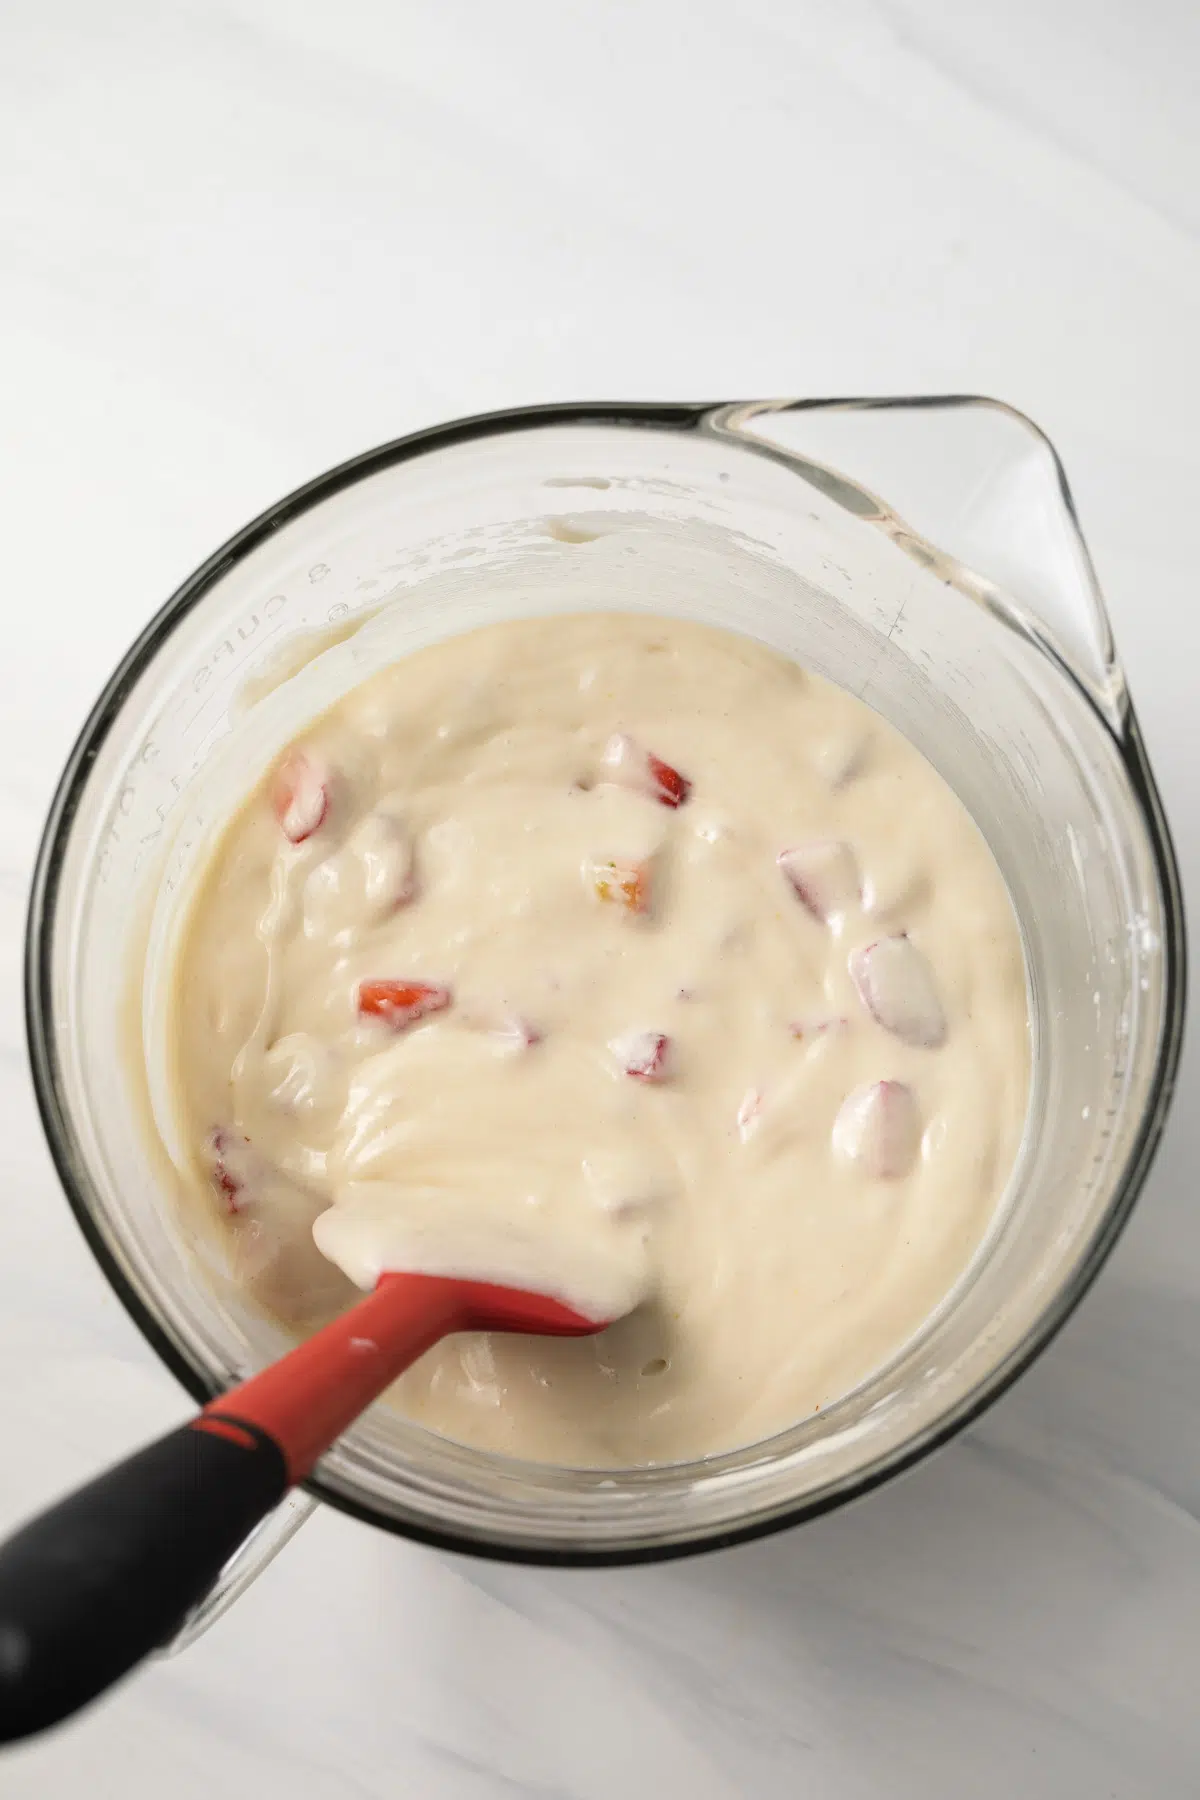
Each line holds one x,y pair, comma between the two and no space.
630,766
673,788
300,796
646,1055
401,1003
227,1154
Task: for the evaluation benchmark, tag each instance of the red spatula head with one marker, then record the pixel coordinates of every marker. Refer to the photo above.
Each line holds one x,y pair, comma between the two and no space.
307,1399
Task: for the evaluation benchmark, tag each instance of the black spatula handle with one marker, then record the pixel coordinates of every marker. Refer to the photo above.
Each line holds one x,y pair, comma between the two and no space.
90,1587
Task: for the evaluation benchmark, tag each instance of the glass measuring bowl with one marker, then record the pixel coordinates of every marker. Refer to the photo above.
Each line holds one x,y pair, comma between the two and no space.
924,555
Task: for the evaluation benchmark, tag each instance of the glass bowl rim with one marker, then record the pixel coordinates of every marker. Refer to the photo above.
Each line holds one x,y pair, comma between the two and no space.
42,912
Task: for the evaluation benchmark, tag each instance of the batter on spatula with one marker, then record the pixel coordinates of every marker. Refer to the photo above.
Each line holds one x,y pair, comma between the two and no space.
628,935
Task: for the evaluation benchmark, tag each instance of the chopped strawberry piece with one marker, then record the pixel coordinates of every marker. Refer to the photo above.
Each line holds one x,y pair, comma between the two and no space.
623,884
673,788
897,987
646,1055
879,1127
631,766
300,796
227,1155
824,877
401,1003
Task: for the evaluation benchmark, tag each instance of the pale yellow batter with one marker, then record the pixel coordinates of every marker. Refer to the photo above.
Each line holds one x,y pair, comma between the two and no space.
621,957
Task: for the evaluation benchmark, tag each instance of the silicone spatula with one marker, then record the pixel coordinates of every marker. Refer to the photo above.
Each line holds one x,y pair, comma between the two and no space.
93,1585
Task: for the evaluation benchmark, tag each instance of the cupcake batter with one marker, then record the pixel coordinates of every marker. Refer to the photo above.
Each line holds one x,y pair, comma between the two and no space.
620,957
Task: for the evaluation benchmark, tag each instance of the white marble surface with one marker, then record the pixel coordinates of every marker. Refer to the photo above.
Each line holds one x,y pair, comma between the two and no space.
240,241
